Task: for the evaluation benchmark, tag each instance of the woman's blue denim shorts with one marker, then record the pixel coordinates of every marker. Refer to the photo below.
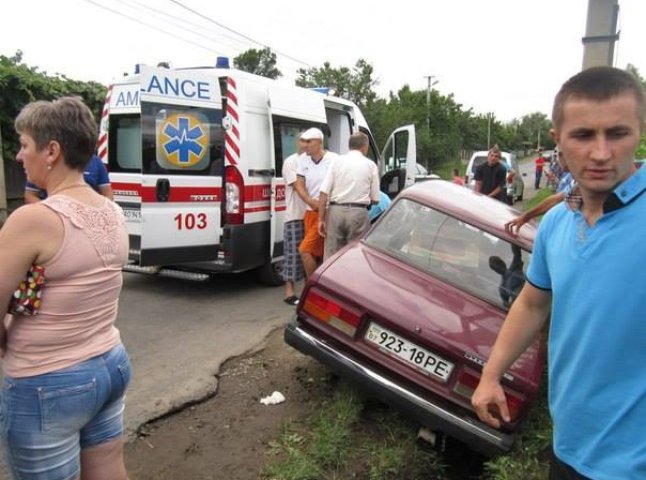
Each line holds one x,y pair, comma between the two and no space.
47,419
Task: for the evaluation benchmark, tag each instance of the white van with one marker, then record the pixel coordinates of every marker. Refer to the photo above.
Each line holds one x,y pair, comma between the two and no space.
195,159
511,163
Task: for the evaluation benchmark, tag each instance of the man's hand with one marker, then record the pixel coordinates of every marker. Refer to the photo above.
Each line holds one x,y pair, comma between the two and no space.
513,226
490,403
321,228
313,203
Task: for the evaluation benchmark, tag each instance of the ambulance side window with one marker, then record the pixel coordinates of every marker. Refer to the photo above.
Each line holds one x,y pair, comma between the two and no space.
124,147
181,140
340,129
286,134
373,153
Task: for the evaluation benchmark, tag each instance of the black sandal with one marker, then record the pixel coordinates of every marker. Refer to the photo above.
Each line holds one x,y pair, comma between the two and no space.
293,300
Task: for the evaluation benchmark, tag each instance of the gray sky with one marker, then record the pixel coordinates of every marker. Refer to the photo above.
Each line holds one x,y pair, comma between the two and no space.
503,56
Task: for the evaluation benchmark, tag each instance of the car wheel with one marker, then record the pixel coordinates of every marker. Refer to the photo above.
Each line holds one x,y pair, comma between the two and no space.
271,274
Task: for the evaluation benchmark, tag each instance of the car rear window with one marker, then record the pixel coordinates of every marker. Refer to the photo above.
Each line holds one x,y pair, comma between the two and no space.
452,250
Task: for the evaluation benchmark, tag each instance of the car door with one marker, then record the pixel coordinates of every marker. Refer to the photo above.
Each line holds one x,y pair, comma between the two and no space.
399,161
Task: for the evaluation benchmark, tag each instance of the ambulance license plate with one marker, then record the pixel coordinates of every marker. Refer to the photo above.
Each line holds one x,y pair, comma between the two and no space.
132,215
410,353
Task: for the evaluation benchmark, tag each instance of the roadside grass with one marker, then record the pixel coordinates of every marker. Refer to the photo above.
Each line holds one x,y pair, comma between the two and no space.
541,195
344,439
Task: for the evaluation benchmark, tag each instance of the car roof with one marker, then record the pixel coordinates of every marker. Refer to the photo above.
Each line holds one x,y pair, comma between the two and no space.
474,208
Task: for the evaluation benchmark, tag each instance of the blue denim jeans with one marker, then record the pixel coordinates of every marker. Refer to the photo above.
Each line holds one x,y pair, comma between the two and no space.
47,419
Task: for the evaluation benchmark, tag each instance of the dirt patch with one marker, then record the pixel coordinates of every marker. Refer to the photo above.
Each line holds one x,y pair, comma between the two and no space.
226,436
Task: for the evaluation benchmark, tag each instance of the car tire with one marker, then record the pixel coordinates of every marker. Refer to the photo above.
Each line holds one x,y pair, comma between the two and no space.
270,274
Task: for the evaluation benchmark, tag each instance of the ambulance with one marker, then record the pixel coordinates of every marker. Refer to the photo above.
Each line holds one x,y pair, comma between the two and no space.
195,158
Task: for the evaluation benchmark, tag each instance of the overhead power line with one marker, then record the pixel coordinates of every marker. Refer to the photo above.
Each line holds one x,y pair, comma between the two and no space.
246,37
185,25
172,34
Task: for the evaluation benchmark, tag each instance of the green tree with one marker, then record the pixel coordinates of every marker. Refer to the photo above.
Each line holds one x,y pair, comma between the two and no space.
641,149
21,84
354,84
531,129
260,62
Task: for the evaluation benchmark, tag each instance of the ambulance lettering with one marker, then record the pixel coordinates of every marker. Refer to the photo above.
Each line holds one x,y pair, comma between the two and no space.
280,192
176,87
129,98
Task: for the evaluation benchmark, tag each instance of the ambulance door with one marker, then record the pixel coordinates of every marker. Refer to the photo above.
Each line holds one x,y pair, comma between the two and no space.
122,132
182,166
399,161
290,112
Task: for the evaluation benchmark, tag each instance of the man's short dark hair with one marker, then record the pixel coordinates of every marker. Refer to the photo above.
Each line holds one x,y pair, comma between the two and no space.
600,84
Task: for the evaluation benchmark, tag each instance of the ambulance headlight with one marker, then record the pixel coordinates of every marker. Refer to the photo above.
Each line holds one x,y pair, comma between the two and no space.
232,198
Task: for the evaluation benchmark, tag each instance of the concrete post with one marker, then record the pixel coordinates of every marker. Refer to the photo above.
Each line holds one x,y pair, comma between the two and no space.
600,33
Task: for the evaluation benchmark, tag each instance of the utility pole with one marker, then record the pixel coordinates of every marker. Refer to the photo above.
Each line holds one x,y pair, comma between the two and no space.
600,33
489,115
429,87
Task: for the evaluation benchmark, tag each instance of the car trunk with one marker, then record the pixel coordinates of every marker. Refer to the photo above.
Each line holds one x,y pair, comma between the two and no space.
422,309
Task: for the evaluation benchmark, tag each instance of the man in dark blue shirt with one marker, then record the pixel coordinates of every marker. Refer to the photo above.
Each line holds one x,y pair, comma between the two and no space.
95,175
491,176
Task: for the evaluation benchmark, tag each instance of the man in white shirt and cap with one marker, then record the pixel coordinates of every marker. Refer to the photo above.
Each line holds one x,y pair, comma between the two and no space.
351,185
311,172
293,226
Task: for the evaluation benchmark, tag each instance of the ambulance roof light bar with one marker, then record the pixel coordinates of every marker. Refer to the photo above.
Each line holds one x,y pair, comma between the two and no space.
222,62
324,90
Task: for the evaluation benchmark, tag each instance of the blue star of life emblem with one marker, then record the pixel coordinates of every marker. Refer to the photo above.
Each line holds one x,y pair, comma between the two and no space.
184,139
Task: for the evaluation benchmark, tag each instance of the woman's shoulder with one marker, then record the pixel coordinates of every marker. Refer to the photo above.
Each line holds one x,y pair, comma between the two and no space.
33,228
33,215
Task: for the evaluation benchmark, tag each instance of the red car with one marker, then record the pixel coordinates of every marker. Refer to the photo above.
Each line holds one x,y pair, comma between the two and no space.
411,311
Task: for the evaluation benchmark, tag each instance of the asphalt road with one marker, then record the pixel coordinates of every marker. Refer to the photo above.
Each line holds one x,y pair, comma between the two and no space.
178,333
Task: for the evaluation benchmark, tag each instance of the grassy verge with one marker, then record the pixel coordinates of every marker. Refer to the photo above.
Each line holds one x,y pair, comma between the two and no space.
541,195
347,440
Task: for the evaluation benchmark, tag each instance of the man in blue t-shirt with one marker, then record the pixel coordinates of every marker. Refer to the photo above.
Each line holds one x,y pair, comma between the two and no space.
95,175
587,270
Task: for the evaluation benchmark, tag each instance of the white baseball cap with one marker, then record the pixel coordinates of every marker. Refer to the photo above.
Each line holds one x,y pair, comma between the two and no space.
312,134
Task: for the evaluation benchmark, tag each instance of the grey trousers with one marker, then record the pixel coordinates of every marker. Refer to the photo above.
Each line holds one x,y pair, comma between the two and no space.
342,225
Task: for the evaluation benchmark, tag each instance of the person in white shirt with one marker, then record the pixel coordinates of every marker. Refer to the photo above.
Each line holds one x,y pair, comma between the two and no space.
293,227
351,185
312,169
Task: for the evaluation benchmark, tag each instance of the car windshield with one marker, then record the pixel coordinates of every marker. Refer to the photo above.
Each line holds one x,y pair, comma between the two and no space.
452,250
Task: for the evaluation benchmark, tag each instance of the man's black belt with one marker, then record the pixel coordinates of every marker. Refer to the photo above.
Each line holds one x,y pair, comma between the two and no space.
353,205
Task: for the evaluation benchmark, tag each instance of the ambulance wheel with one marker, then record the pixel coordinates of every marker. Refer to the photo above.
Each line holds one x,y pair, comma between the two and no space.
270,274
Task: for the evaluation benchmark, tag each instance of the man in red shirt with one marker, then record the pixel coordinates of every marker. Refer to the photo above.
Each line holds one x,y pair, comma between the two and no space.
540,163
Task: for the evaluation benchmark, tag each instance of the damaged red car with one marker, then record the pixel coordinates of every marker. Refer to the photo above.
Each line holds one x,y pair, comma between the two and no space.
411,312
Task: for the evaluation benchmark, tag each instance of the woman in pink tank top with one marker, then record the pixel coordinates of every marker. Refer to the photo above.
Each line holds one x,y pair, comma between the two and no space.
65,368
